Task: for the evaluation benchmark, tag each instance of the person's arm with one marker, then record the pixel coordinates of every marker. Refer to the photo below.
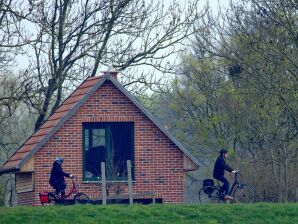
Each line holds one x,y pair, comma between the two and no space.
67,174
226,166
229,169
62,173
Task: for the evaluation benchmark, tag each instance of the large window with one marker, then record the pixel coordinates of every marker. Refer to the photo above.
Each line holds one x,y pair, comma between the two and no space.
111,143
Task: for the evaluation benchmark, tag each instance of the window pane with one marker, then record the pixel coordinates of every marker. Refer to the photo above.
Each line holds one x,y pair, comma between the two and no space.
95,154
120,150
98,137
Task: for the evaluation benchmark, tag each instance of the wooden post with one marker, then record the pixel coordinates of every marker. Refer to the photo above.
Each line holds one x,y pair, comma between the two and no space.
153,198
103,184
129,182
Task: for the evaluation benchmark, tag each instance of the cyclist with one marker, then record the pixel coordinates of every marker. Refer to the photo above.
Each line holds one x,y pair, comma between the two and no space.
220,167
57,177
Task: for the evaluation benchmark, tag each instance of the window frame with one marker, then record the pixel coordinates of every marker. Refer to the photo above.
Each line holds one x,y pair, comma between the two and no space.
106,126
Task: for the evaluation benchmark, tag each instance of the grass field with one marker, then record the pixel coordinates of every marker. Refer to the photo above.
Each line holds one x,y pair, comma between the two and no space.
212,214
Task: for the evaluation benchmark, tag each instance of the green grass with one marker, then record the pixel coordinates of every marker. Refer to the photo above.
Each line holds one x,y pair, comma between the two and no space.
212,214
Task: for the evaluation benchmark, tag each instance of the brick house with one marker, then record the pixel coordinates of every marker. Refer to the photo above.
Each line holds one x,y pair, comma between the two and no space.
102,121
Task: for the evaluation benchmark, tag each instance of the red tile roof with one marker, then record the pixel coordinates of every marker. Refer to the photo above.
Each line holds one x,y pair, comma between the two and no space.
14,162
65,110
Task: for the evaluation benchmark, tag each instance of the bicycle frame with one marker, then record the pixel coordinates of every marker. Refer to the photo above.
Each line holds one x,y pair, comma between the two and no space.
235,183
72,190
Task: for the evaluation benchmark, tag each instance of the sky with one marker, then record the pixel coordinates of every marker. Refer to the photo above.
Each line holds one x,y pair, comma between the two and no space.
212,3
22,61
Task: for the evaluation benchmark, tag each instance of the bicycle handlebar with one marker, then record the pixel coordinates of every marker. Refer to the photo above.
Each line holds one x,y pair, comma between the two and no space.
74,178
236,174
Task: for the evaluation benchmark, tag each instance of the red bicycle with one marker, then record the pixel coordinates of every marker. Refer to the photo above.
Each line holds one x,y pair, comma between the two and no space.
79,197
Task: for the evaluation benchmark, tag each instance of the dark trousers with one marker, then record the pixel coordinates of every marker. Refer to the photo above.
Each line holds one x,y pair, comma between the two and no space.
226,186
62,193
60,188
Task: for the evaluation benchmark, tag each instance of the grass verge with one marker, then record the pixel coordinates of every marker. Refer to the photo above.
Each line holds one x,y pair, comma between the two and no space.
212,214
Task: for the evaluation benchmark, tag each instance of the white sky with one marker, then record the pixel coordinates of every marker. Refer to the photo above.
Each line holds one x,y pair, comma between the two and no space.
22,60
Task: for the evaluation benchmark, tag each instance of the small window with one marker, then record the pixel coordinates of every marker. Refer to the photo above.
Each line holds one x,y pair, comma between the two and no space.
24,182
111,143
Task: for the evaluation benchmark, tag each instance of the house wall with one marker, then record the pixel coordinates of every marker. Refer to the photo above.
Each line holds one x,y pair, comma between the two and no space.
26,198
158,163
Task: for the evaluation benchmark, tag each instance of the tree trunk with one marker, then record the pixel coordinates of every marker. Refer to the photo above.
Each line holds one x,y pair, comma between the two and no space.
49,94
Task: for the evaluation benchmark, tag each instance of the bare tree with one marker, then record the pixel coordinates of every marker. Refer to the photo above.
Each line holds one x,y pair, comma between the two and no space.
12,88
74,38
15,124
11,33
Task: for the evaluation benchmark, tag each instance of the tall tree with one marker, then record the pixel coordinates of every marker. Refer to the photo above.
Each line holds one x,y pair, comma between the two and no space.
252,50
12,88
256,40
15,124
74,38
11,33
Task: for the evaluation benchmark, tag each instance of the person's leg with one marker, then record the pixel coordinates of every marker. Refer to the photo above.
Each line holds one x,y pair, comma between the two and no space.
63,194
226,185
62,187
57,189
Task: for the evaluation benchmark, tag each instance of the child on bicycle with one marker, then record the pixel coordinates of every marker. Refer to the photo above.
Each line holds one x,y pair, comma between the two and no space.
57,177
220,167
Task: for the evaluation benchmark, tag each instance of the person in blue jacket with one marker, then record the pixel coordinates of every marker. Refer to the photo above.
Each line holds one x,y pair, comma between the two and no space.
220,167
57,177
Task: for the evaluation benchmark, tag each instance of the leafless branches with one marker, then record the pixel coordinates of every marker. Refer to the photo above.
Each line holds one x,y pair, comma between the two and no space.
72,39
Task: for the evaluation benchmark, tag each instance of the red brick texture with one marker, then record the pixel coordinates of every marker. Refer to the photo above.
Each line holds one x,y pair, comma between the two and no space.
158,163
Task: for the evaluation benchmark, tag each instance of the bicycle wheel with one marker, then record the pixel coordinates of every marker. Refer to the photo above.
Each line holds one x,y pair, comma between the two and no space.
209,194
81,198
244,194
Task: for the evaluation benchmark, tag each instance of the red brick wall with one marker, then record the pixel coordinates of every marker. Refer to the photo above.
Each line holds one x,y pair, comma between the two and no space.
158,163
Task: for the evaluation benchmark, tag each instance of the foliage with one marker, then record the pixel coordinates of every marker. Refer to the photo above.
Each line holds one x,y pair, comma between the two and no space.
197,104
238,89
255,213
16,123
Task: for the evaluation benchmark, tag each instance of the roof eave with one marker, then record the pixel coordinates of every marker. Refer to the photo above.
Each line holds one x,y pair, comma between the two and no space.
9,170
61,122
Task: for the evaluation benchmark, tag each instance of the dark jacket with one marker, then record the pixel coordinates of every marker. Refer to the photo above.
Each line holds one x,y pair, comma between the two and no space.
57,177
220,166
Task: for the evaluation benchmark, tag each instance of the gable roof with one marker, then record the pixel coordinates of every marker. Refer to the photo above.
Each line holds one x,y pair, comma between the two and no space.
67,109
